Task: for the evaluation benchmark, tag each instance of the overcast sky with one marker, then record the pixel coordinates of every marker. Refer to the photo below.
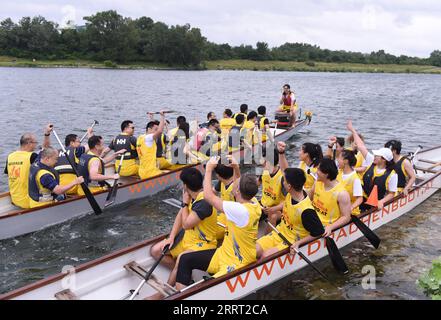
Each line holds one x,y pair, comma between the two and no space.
410,27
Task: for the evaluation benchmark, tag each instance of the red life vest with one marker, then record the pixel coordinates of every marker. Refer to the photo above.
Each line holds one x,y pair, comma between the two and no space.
287,100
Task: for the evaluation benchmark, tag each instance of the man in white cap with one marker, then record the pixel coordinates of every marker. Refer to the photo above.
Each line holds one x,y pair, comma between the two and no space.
380,172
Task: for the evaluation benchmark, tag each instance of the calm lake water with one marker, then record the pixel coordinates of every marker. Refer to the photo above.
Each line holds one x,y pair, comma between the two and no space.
382,106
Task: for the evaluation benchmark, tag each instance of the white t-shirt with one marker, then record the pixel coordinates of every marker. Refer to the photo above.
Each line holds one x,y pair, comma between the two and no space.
149,140
368,160
236,212
357,190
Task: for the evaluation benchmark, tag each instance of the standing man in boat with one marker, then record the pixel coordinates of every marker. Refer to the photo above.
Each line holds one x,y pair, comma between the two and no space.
380,172
194,228
18,166
288,104
74,151
242,219
300,223
403,167
330,198
44,180
125,140
92,167
146,148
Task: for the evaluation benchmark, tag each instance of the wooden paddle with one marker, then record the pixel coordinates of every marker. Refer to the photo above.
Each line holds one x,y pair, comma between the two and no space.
93,125
92,201
149,273
112,192
296,250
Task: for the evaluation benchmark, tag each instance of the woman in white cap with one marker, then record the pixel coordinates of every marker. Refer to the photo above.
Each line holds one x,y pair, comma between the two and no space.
380,172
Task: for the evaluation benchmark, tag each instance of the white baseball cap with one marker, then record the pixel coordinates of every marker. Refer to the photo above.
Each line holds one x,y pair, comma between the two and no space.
386,153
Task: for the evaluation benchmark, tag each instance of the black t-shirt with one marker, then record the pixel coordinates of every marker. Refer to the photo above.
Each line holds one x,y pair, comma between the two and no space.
202,208
34,156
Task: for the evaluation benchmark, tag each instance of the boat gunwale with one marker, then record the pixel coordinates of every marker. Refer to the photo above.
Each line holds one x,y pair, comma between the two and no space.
76,198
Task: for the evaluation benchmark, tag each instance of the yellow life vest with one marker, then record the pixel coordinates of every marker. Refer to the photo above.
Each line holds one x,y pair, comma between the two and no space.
326,203
291,225
349,187
248,126
239,246
309,178
226,124
244,115
19,164
286,108
147,158
204,233
272,189
261,126
360,159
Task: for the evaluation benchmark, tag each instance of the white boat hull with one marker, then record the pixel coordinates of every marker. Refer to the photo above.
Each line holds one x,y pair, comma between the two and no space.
106,278
15,222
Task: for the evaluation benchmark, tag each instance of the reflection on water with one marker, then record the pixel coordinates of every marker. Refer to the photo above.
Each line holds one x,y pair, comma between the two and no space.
382,106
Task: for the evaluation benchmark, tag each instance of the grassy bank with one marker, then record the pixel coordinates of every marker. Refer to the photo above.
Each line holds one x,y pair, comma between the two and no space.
228,65
318,67
6,61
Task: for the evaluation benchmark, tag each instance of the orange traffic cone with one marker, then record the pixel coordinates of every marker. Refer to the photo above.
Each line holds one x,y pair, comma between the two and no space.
373,197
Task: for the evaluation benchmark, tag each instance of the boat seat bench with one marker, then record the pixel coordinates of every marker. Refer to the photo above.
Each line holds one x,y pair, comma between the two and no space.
156,283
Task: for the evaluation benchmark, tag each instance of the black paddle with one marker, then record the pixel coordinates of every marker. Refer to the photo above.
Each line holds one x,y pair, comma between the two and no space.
296,250
112,192
335,256
95,122
95,206
367,232
149,273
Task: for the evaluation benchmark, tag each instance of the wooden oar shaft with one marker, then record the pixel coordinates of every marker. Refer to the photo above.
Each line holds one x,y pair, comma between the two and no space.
149,273
92,125
296,250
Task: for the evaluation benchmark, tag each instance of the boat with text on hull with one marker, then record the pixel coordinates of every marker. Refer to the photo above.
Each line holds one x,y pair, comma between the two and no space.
15,221
116,275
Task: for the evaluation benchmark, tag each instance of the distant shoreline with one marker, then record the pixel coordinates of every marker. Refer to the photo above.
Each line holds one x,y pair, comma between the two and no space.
237,65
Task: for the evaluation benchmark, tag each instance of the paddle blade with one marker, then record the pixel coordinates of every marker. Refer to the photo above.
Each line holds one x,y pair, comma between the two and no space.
95,206
111,196
367,232
373,197
335,256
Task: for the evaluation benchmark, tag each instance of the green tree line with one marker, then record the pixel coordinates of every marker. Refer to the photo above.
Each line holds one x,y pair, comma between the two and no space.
109,36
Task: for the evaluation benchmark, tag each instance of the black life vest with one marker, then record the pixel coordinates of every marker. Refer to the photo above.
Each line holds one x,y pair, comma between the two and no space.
83,170
369,181
161,143
124,141
398,168
34,192
63,166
